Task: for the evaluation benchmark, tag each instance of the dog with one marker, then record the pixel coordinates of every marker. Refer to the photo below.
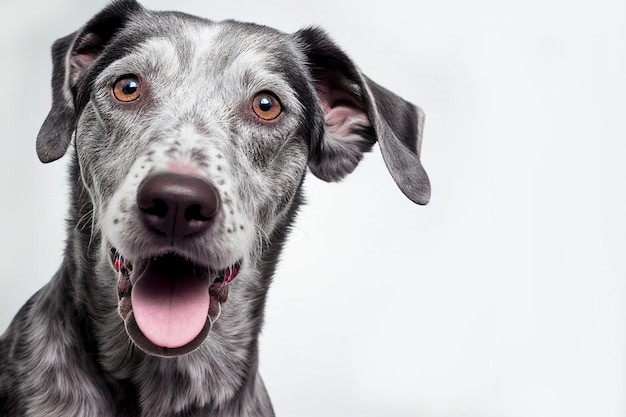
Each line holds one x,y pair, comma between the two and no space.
190,140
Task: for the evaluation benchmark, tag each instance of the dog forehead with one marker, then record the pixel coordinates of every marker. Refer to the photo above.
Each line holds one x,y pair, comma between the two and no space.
197,43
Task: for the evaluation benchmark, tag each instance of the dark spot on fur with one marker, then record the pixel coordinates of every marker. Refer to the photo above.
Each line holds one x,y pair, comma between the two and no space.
156,140
198,155
202,129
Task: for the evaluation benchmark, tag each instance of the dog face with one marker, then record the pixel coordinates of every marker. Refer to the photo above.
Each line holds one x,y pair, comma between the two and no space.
198,110
193,138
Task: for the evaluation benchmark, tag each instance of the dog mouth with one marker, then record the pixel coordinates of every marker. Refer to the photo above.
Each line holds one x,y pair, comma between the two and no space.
169,302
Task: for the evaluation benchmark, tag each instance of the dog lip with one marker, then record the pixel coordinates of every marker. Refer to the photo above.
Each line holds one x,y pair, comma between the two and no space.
146,345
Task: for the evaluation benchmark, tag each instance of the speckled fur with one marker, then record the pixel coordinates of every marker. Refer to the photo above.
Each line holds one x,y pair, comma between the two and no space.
67,353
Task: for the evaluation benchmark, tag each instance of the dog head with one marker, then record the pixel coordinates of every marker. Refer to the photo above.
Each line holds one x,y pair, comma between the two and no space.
192,139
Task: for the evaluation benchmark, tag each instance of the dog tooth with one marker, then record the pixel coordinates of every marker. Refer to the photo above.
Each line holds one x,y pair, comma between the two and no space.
119,264
230,273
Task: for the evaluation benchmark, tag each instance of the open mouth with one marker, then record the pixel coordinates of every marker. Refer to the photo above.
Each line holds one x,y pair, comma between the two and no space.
168,302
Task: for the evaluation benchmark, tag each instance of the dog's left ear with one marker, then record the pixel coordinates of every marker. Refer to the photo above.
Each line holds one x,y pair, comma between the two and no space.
357,112
72,56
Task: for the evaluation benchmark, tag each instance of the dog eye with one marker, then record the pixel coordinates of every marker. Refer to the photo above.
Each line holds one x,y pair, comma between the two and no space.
127,89
266,106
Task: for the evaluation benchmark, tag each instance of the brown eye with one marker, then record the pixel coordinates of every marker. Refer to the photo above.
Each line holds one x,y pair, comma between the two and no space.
266,106
127,89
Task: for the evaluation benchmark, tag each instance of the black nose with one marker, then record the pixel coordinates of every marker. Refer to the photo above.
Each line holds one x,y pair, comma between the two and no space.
177,205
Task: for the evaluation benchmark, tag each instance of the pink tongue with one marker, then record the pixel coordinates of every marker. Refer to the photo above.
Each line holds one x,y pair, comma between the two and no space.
170,311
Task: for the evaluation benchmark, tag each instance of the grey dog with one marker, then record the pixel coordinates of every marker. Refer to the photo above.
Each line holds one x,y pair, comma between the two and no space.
190,142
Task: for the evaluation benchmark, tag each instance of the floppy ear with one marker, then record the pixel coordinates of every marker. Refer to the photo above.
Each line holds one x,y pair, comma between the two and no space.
357,113
72,56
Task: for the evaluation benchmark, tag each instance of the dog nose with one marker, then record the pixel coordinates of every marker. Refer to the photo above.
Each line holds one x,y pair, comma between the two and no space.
177,205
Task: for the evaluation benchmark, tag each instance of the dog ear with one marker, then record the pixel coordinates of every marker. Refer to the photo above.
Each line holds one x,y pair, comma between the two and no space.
72,56
358,112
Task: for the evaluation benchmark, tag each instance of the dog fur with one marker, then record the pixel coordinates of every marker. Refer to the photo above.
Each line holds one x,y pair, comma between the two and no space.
70,350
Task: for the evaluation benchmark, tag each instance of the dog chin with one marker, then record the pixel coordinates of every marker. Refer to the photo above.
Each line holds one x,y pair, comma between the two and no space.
169,302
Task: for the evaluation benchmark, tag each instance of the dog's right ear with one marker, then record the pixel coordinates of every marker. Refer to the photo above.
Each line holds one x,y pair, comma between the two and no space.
356,113
72,56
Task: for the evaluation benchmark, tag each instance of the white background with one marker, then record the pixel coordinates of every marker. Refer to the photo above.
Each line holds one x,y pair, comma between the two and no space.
503,297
